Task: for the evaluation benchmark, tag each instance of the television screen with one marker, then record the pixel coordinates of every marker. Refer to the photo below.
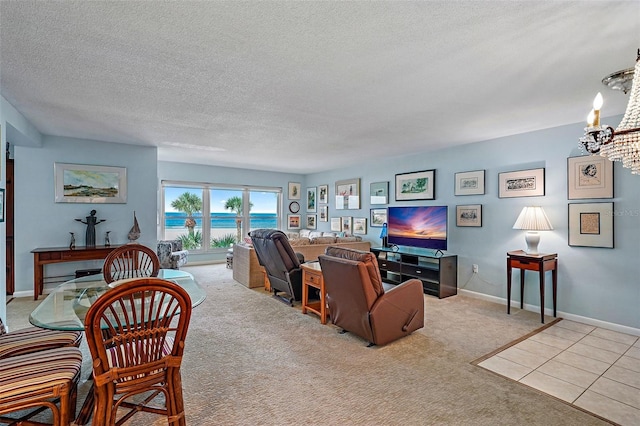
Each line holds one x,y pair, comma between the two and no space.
418,226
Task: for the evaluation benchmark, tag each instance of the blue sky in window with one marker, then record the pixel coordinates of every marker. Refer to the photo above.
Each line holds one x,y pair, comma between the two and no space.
263,202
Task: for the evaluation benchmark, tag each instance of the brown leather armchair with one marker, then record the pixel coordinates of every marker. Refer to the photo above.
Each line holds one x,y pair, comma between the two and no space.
357,300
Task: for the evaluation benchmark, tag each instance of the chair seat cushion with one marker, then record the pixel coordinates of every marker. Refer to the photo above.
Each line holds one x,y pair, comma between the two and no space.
26,374
33,339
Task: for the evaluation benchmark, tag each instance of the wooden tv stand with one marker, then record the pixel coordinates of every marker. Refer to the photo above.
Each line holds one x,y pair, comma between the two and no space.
43,256
439,274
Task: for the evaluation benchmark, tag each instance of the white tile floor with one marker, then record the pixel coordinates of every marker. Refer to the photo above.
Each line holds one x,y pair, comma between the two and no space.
593,368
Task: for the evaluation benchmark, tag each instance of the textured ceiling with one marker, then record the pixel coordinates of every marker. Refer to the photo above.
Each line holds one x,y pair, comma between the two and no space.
309,86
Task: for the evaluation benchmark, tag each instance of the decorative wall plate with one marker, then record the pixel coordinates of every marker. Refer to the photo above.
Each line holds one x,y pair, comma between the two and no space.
294,207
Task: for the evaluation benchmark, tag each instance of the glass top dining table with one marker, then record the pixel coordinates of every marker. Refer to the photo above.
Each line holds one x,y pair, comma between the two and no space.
66,306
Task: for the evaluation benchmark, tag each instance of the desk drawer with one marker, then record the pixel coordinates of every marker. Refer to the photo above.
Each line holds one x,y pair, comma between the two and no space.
50,256
523,264
385,265
313,279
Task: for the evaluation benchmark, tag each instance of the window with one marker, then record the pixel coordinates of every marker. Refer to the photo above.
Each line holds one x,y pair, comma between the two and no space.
233,212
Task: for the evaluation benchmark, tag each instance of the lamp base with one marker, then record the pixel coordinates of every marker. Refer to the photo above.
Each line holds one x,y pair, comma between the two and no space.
532,238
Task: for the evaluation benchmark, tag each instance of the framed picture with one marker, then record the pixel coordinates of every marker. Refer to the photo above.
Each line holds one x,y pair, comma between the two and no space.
348,194
336,224
360,225
323,194
79,183
311,221
324,213
379,192
347,225
1,204
311,199
523,183
294,191
591,224
293,221
589,176
469,215
378,218
416,186
469,183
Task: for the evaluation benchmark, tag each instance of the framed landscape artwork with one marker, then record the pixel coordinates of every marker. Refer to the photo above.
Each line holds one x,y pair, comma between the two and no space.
78,183
294,191
323,194
347,225
469,215
523,183
311,199
590,176
336,224
293,221
591,224
348,194
469,183
311,221
379,193
416,186
324,213
378,218
360,225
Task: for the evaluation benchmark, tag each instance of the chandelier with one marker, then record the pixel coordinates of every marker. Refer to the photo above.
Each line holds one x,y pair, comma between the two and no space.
623,143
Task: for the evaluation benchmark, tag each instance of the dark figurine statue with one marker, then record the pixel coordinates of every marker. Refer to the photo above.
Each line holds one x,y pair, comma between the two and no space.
91,222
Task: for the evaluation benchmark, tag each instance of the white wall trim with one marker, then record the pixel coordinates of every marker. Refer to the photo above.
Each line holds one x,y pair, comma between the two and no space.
534,308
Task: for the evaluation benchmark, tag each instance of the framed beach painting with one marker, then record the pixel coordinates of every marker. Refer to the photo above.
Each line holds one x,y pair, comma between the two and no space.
523,183
590,176
416,186
469,183
293,221
348,194
79,183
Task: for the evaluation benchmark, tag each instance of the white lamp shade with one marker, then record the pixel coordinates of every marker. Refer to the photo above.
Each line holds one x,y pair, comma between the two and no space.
533,218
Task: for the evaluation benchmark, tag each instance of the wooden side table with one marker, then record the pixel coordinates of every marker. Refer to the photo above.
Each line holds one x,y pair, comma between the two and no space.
312,277
532,262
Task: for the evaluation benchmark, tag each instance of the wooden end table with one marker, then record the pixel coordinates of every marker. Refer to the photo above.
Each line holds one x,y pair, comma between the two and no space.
533,262
312,277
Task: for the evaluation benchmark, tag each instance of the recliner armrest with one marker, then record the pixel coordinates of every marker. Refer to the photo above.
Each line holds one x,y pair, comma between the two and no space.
398,311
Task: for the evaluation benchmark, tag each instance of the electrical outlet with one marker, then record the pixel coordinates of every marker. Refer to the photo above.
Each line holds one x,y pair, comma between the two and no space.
475,268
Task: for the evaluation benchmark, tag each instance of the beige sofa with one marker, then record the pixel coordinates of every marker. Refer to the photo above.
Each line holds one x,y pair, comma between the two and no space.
248,272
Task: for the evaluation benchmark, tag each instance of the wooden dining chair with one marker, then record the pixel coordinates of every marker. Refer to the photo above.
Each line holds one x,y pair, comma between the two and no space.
34,339
136,335
130,261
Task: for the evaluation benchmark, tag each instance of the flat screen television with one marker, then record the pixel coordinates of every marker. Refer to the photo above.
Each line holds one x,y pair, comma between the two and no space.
418,226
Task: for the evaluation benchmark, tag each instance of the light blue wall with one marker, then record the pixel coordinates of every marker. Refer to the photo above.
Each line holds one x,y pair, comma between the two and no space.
172,171
596,283
41,222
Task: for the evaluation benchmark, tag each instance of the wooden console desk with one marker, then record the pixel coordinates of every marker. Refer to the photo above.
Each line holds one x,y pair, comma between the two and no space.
43,256
532,262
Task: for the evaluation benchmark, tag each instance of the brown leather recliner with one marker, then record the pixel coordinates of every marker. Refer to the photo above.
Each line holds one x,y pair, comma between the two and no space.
357,300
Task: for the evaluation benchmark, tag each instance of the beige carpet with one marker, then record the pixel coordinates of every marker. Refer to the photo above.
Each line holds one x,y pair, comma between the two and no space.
251,359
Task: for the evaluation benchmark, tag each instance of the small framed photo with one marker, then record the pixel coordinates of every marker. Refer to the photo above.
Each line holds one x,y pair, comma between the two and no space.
590,176
416,186
469,183
379,192
591,224
324,213
311,199
323,194
293,221
469,215
348,194
378,218
79,183
360,225
523,183
294,191
311,221
347,225
1,204
336,224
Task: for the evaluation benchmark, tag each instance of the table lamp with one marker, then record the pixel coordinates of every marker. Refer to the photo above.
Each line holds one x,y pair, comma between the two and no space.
533,219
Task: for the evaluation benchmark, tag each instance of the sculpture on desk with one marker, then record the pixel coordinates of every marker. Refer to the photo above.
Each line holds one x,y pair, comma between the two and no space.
107,240
134,232
72,243
91,222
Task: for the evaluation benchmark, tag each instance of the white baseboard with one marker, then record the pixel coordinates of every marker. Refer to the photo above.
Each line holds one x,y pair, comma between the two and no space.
533,308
